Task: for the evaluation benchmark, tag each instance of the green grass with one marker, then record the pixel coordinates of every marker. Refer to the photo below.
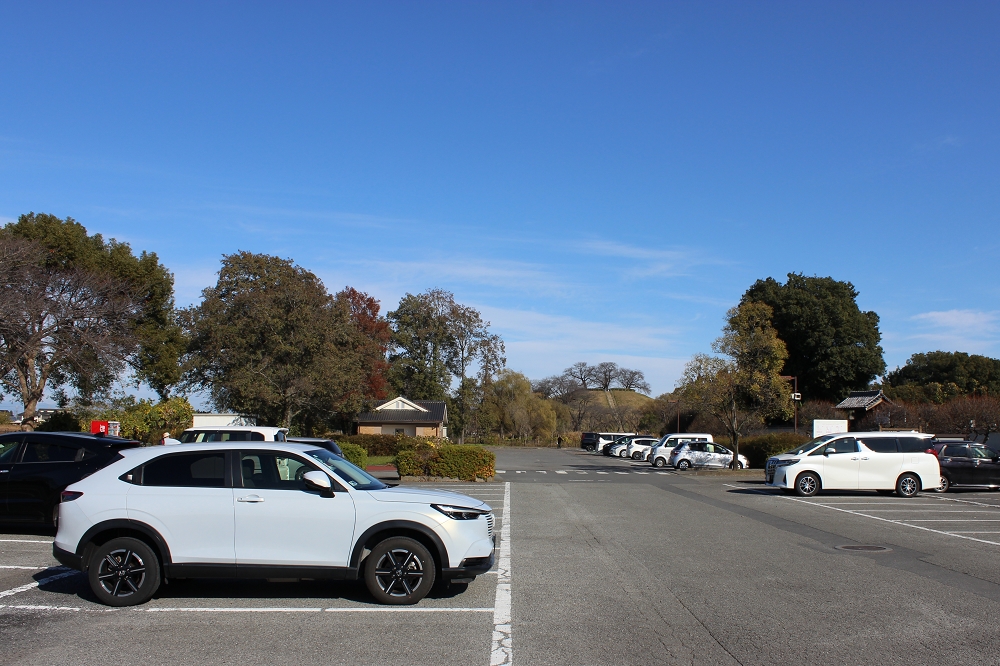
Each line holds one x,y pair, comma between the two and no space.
380,460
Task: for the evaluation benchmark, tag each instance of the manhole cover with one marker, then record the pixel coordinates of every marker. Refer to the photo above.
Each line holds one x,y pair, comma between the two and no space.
865,549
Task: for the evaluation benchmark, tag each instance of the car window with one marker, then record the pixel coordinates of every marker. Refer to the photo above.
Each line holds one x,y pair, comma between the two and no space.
46,450
956,451
189,437
913,444
843,445
880,444
721,449
351,474
273,471
187,470
819,444
981,452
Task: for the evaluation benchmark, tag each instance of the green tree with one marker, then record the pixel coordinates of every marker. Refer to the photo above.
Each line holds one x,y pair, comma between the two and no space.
420,345
59,326
938,376
143,277
833,347
268,341
742,388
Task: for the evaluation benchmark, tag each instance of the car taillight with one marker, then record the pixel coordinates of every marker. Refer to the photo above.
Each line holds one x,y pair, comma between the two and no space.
69,495
931,451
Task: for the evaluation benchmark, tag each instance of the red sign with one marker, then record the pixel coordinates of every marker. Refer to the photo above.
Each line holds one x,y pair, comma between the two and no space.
99,427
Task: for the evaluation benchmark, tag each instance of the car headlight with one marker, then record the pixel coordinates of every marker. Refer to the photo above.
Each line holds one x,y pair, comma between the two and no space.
786,463
459,512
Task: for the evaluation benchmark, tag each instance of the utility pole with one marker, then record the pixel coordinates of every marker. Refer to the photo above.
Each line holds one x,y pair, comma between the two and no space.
678,403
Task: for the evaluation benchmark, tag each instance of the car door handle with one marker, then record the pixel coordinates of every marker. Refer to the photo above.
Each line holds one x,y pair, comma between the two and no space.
250,498
855,458
865,458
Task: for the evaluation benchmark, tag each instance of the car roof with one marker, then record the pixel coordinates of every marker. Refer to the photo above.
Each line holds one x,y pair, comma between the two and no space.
878,433
237,428
85,436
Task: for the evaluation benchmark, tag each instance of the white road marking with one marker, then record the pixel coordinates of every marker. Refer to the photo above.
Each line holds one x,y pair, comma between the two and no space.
14,566
30,586
501,646
336,609
621,472
501,471
56,608
49,543
561,471
602,472
541,471
895,522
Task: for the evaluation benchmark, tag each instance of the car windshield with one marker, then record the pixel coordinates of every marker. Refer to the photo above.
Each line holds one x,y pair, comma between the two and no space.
351,474
809,446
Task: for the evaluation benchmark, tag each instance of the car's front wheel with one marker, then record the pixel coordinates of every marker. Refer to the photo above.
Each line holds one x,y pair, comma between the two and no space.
399,570
659,462
807,484
637,455
684,464
945,484
124,572
623,454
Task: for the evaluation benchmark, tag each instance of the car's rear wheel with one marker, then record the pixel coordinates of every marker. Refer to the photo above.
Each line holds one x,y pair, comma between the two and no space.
659,462
399,570
807,484
684,464
907,485
124,572
945,484
637,455
738,465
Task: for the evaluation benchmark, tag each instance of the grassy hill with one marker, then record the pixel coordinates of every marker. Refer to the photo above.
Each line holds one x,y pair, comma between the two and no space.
622,398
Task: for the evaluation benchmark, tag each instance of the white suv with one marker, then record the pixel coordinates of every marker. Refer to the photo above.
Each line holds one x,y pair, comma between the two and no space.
660,453
883,461
264,510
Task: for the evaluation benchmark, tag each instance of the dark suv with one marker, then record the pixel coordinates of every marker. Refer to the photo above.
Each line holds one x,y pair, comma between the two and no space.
35,467
966,464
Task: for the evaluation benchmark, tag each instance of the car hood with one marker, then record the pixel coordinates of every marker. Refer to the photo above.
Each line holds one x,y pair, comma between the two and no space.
429,496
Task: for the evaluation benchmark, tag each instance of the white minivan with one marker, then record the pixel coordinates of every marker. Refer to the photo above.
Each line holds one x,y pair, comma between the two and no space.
883,461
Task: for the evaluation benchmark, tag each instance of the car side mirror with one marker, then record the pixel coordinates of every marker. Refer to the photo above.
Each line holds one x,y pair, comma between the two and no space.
829,450
318,481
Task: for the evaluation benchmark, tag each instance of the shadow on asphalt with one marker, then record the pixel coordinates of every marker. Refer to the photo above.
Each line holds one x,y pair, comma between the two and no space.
77,586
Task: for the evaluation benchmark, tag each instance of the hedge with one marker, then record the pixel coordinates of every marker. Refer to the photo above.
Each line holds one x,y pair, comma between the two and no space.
453,461
759,448
354,454
385,445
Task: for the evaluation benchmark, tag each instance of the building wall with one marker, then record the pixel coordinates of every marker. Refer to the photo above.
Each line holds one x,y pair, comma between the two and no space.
369,430
408,430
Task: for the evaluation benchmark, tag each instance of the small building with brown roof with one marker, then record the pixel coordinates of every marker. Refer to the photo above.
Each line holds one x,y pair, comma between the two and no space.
859,403
399,416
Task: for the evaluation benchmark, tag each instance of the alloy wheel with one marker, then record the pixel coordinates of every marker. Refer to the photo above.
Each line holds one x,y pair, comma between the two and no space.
399,572
122,572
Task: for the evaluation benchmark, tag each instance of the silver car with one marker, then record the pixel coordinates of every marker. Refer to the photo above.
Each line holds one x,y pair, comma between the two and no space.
704,454
660,453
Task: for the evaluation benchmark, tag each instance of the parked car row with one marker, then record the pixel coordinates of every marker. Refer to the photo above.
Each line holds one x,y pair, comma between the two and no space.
678,450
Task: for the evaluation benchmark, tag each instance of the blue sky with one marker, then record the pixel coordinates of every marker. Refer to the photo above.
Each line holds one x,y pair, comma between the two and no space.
601,180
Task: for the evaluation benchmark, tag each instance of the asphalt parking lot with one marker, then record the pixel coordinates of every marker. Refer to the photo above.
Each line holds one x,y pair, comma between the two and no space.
628,566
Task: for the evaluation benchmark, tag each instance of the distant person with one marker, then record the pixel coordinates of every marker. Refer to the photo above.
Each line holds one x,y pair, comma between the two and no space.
167,439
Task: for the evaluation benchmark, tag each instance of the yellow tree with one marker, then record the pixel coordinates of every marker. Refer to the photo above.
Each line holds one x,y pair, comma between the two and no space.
743,387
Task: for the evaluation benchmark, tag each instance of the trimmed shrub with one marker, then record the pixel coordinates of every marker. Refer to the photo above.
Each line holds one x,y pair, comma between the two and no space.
387,445
354,454
759,448
453,461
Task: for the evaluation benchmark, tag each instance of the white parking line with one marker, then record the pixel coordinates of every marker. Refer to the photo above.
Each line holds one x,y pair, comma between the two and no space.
501,646
561,471
30,586
49,543
55,608
14,566
336,609
895,522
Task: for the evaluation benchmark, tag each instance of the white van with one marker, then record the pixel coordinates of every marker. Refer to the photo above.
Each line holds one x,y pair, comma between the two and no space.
882,461
233,434
660,453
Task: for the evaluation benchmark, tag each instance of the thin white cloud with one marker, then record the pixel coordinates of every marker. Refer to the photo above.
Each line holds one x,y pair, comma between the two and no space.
650,261
973,331
541,344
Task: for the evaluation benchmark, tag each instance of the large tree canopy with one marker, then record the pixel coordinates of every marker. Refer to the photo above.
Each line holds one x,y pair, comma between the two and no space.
947,373
160,341
269,341
833,347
